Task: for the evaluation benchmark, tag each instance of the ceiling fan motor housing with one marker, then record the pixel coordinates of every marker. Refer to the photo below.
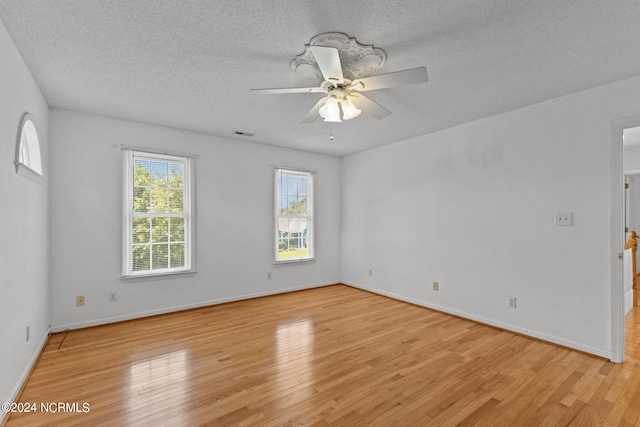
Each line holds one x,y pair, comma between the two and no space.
358,60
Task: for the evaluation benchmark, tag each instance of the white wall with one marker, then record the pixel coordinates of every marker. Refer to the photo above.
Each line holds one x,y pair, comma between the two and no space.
234,221
631,159
24,251
634,203
472,207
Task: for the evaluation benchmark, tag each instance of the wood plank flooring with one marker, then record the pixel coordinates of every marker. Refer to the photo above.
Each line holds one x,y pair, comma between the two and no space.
333,356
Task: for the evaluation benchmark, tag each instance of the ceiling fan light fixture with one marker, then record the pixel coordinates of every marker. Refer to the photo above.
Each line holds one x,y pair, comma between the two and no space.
349,111
330,111
344,65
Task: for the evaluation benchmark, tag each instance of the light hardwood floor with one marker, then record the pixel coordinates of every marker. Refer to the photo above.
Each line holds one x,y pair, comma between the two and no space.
329,356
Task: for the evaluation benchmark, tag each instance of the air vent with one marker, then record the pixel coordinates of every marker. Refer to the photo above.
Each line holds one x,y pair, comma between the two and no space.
243,133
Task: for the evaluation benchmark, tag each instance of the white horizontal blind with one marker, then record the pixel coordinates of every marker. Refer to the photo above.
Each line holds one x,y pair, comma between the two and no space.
158,214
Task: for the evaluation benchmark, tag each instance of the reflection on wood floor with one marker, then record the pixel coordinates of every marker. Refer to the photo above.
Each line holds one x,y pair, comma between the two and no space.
328,356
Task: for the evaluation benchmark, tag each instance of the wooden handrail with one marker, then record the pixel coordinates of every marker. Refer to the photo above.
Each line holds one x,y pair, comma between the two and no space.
632,243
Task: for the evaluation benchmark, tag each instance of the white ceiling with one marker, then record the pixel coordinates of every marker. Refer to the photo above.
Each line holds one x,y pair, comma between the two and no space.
190,64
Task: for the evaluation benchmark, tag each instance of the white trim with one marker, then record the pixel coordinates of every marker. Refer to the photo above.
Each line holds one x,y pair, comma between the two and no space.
35,148
631,171
188,204
545,337
616,241
628,301
158,151
158,274
616,231
13,395
294,261
310,217
508,327
294,169
27,172
173,309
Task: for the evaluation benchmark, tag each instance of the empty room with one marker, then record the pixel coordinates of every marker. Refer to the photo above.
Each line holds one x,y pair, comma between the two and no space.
319,213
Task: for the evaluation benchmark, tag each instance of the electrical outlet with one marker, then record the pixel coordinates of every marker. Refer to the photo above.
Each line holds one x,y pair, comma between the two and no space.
269,275
113,296
370,273
563,218
512,302
436,286
28,332
79,300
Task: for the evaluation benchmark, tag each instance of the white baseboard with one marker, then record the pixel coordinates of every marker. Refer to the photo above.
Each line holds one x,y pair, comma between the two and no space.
534,334
13,395
138,315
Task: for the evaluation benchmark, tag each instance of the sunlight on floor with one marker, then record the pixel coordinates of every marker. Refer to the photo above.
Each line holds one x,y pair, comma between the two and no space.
294,351
164,378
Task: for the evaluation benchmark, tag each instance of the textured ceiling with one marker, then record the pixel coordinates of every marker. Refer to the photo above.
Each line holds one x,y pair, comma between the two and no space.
191,64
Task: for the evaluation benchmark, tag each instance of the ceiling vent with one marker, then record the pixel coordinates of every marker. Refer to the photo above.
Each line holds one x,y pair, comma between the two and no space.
243,133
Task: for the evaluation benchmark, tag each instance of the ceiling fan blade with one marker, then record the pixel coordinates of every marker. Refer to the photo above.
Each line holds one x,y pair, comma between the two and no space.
329,63
289,90
397,78
368,106
314,113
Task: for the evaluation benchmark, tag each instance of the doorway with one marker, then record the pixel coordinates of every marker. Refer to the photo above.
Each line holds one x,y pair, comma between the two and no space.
625,160
631,171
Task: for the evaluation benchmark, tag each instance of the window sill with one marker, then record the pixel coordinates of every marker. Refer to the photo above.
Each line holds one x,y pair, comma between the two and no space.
156,276
294,261
27,172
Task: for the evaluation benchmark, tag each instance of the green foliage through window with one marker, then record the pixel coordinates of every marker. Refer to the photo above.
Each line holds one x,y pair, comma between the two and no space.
158,214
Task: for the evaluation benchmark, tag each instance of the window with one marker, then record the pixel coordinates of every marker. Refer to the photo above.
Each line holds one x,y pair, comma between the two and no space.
294,215
28,160
158,223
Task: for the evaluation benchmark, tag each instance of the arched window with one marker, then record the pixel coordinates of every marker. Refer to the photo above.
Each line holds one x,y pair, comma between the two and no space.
28,155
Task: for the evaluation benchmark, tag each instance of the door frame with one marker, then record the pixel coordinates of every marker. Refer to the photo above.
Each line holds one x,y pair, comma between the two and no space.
616,240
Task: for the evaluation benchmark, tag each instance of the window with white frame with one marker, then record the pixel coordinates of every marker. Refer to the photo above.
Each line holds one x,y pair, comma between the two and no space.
28,157
294,237
158,214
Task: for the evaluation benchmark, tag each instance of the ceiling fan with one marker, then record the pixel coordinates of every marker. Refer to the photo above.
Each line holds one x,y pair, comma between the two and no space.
330,53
